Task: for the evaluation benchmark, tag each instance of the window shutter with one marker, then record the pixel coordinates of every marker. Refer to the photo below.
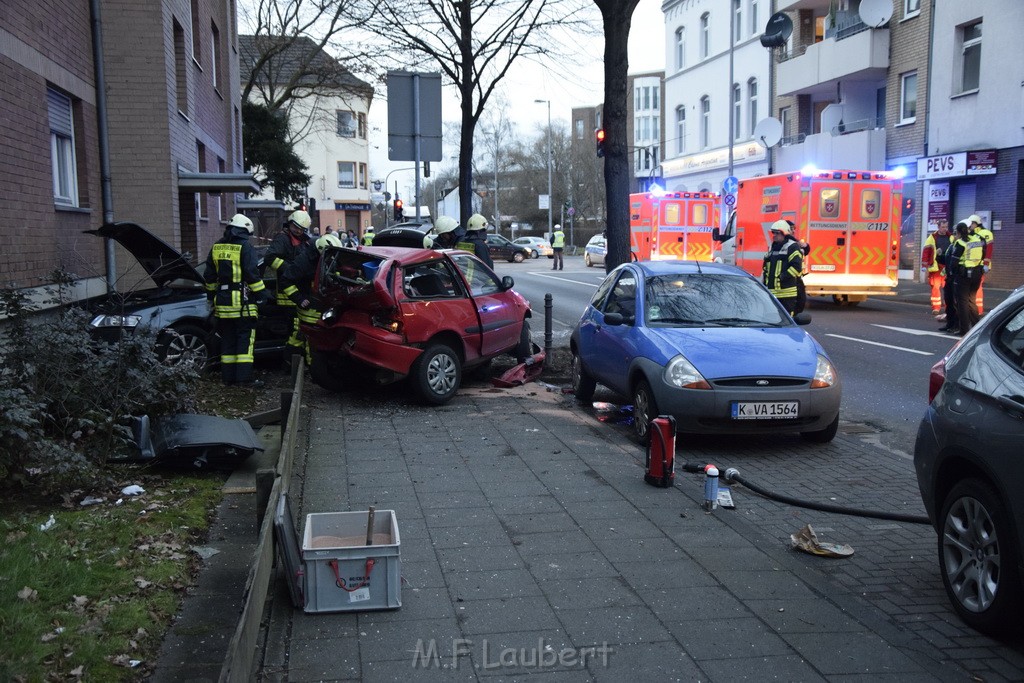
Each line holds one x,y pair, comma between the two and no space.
60,113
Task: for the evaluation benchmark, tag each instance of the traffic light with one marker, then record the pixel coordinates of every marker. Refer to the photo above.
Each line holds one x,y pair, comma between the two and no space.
398,210
600,141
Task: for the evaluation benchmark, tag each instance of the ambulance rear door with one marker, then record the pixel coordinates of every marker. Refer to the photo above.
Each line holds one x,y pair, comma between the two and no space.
640,228
871,224
828,202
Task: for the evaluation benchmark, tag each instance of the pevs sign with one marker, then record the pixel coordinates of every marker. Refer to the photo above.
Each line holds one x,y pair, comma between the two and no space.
957,165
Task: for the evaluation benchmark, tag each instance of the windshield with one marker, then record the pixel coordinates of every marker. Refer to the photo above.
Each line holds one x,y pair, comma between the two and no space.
717,300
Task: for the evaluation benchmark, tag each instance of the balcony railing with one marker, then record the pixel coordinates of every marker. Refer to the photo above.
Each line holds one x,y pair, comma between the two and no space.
845,128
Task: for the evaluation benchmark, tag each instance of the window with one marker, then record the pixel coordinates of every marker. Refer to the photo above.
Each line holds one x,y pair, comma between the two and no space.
214,55
970,65
737,119
754,28
655,95
636,99
362,176
201,197
346,124
680,48
362,125
680,129
705,122
194,25
579,129
346,174
752,103
911,8
829,206
181,84
908,97
737,9
871,204
62,148
647,97
705,35
786,119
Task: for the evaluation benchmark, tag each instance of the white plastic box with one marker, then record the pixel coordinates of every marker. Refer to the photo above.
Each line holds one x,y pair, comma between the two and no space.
335,559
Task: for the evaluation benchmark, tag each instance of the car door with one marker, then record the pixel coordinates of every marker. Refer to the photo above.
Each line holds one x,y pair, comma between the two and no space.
435,300
498,249
604,348
499,320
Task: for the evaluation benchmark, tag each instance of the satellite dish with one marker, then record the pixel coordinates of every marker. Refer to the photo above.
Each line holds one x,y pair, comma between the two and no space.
778,30
875,13
832,118
768,131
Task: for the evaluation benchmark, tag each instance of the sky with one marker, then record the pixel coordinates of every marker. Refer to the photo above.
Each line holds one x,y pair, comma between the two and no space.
529,81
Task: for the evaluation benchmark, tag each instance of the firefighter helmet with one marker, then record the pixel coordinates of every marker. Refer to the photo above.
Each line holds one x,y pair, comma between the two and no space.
242,221
476,222
783,226
445,224
328,240
301,219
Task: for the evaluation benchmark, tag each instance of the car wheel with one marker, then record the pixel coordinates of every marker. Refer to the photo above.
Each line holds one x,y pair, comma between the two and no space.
437,374
325,371
587,261
645,409
185,345
583,383
825,435
525,347
535,254
978,559
518,257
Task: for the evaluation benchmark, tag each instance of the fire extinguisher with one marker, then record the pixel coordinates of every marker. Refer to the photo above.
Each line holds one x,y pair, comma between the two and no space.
661,452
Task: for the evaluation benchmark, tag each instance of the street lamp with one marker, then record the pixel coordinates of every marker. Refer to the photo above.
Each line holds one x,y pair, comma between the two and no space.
550,224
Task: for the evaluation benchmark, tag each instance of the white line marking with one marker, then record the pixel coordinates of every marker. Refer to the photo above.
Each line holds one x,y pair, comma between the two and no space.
916,333
888,346
565,279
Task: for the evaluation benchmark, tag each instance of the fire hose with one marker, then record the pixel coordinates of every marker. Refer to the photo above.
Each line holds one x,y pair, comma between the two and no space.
733,475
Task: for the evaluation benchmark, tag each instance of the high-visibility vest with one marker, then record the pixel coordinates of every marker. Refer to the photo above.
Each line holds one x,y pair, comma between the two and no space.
368,239
934,245
558,239
989,238
974,251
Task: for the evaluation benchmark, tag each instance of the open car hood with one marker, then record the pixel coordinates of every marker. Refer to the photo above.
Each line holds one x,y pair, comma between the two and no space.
162,262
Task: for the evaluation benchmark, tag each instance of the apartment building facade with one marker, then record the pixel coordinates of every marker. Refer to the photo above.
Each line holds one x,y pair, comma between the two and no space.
645,127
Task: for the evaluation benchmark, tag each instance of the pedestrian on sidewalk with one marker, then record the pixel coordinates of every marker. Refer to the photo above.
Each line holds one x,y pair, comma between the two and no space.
558,246
934,248
968,275
974,221
949,259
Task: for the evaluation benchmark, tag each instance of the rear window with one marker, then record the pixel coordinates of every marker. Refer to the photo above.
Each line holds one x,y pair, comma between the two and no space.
1010,339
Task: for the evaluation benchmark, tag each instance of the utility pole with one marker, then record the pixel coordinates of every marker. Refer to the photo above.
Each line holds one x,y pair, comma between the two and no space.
550,222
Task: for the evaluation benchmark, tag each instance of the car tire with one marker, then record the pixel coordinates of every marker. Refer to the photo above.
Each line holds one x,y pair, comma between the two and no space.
185,345
517,257
645,409
324,371
976,547
825,435
587,261
535,254
437,374
525,347
583,383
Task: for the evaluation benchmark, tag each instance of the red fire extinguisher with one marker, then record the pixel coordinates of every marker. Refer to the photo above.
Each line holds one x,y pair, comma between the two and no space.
661,452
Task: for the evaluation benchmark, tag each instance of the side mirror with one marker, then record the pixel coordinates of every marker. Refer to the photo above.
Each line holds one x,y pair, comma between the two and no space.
716,234
802,318
613,319
507,283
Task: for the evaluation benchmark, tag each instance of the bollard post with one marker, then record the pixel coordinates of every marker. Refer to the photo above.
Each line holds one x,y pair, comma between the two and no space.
547,326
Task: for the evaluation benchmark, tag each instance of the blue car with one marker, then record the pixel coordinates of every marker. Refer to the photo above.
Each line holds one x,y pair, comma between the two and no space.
708,344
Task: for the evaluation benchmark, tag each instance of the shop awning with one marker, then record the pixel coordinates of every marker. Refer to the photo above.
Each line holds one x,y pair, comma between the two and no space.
216,182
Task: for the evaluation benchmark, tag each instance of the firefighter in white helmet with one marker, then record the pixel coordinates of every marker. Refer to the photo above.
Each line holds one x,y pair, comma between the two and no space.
784,266
282,251
475,240
446,232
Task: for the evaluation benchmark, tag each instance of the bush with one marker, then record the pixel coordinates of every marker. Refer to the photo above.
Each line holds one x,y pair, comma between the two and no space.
67,398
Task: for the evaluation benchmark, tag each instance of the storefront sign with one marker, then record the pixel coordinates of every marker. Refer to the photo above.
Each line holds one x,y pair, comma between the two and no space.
937,196
981,163
942,166
716,158
343,206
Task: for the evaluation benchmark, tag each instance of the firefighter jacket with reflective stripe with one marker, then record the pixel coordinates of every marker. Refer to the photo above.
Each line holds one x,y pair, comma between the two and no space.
475,244
282,251
973,251
232,275
783,266
557,239
934,246
986,234
296,282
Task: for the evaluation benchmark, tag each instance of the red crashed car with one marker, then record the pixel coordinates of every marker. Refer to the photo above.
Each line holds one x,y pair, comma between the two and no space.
422,314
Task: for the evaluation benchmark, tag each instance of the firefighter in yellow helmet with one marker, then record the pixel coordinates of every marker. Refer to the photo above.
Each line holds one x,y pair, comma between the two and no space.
784,266
234,288
296,281
282,251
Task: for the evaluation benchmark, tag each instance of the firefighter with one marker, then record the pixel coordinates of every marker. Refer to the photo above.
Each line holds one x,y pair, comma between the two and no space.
968,275
974,221
296,281
558,246
285,246
446,233
783,265
234,288
932,257
368,237
475,241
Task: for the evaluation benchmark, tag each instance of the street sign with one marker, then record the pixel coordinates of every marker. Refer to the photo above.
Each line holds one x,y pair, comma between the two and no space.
572,210
543,201
731,184
729,199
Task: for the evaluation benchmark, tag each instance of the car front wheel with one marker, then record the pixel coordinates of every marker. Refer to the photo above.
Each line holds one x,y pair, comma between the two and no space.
587,261
437,374
825,435
535,254
185,345
978,558
518,257
583,383
325,370
645,409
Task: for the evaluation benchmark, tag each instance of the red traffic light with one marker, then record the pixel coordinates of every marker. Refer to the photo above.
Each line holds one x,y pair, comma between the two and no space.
599,133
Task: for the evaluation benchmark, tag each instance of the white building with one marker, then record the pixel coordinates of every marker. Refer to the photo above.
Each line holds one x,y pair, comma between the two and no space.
699,96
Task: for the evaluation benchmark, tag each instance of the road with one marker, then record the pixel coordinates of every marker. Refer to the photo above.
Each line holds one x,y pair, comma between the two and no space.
883,349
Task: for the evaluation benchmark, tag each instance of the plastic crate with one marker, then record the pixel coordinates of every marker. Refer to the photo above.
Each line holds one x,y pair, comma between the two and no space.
342,573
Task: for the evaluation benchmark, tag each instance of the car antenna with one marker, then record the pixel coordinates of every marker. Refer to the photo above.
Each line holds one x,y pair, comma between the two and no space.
699,271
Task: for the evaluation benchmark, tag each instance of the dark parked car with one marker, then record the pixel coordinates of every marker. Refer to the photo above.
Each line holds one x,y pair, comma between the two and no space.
501,249
970,468
172,301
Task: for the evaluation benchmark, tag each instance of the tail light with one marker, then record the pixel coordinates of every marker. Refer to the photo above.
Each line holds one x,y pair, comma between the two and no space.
387,320
936,378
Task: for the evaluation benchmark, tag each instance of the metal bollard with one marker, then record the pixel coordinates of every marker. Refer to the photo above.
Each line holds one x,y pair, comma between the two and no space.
547,326
710,488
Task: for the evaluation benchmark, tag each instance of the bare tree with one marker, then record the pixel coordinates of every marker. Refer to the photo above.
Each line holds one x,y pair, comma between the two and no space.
617,16
496,134
474,43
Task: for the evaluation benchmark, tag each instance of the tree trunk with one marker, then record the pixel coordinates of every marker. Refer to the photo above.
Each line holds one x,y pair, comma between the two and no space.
468,120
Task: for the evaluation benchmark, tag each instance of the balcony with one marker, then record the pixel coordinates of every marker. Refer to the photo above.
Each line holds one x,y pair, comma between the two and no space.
860,149
856,53
793,5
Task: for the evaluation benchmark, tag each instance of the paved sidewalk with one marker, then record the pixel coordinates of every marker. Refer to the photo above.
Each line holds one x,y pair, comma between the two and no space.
530,543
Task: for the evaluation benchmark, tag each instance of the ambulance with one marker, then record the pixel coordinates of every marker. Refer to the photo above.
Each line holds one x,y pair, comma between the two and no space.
673,225
850,220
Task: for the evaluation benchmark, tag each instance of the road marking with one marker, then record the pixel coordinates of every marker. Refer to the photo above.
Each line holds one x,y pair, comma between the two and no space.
565,279
916,333
874,343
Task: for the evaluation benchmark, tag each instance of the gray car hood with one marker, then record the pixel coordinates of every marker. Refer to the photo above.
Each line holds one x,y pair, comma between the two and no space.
161,261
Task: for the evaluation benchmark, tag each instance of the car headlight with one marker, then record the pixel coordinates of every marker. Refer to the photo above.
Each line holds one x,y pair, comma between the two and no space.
116,321
681,373
824,374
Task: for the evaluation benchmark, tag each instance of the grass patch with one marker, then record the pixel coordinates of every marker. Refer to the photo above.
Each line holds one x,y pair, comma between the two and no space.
96,591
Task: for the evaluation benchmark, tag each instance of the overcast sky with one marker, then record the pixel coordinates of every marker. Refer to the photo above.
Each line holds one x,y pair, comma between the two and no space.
528,81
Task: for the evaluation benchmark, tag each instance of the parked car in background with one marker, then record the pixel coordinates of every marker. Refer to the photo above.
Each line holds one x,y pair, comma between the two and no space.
172,302
501,249
970,469
422,314
708,344
595,251
538,246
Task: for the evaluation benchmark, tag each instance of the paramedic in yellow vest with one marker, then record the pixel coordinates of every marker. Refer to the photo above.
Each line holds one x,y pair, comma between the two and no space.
282,251
783,265
974,221
368,237
234,287
931,256
558,246
968,275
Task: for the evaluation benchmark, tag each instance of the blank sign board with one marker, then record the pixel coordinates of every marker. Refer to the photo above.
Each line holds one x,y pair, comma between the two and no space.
414,113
